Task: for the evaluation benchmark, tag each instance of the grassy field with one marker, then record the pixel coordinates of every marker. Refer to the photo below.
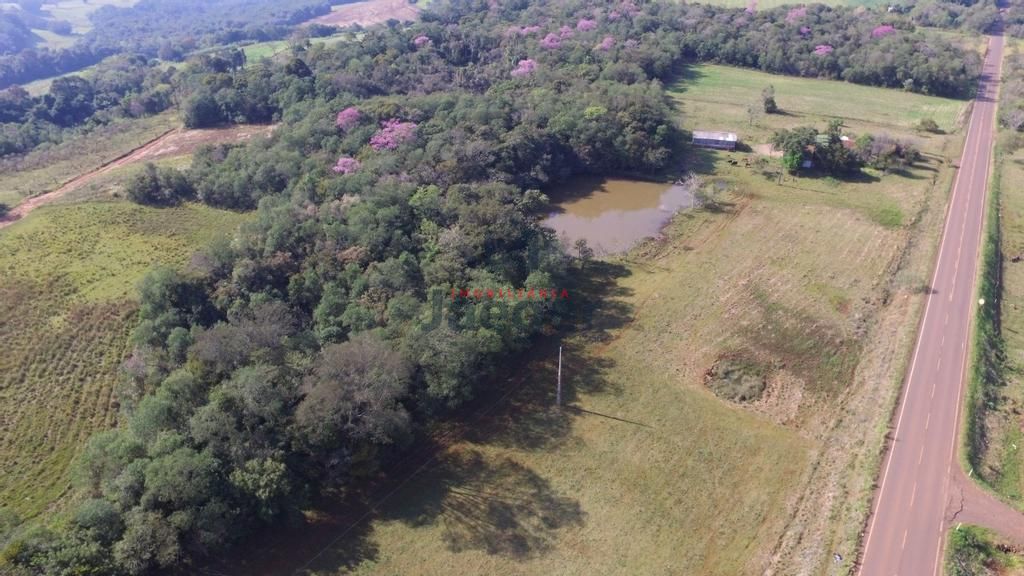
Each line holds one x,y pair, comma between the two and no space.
46,169
67,290
55,41
256,52
42,86
77,11
260,50
723,93
816,283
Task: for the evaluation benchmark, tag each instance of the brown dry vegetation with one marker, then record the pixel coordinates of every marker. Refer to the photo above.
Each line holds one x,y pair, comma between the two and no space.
369,13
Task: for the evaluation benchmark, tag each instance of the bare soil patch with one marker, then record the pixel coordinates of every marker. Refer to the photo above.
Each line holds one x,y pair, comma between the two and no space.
177,142
369,13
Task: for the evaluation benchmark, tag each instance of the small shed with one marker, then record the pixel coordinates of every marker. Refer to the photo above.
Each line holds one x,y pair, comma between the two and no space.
719,140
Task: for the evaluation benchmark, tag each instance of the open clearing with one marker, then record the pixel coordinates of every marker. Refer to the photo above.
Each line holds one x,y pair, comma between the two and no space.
178,142
802,101
369,13
48,168
77,11
67,300
815,283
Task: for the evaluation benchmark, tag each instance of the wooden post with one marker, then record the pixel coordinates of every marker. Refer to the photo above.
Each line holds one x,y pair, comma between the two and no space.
558,395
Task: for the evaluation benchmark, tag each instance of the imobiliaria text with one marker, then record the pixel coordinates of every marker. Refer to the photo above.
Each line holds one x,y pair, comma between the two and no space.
491,308
509,294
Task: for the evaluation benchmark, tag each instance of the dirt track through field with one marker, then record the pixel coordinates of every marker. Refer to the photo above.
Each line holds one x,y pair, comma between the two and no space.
177,142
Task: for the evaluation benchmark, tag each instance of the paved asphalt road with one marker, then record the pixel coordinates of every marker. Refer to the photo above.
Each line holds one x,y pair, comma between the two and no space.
907,529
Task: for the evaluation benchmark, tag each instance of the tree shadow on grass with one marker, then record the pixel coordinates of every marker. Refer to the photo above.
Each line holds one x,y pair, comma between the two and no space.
600,304
700,160
493,505
527,417
684,76
332,538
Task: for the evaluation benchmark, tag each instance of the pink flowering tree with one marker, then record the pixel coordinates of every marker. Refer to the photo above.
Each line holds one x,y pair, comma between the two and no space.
347,165
565,32
606,44
585,25
795,14
421,41
630,43
551,41
804,30
525,68
527,30
882,31
393,133
614,15
629,8
348,118
823,49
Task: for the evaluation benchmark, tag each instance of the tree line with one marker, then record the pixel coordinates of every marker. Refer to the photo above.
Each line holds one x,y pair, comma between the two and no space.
157,28
123,86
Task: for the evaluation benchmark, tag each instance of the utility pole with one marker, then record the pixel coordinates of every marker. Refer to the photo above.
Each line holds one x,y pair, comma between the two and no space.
558,396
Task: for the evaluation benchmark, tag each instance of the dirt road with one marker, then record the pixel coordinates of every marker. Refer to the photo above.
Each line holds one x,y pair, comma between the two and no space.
922,490
176,142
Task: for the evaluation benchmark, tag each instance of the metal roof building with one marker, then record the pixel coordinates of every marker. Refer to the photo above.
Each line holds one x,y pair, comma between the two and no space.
720,140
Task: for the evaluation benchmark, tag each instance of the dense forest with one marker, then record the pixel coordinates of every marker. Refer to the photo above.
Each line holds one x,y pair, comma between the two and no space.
156,28
306,353
121,86
15,35
816,41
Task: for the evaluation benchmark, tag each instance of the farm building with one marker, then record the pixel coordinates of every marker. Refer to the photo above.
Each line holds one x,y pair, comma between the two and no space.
721,140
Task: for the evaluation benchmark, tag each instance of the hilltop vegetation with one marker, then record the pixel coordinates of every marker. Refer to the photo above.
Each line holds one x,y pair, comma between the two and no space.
156,28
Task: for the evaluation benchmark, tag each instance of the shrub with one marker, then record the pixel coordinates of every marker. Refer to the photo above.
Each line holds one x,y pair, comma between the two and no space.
929,125
159,187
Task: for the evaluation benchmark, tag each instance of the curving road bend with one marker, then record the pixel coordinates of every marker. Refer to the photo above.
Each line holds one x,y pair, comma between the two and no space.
921,488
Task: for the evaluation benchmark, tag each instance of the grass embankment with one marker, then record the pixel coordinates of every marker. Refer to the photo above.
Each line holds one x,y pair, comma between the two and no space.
974,551
46,169
67,303
994,427
988,349
813,283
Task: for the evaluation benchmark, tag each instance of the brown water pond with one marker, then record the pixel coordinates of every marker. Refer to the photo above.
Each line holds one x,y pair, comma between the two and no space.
613,214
